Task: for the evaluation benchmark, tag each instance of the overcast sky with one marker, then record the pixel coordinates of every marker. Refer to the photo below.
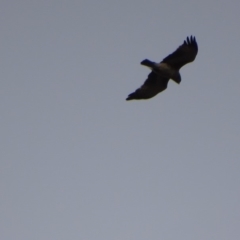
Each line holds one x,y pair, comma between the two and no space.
78,162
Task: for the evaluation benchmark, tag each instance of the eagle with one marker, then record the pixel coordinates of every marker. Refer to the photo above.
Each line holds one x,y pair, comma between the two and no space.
167,69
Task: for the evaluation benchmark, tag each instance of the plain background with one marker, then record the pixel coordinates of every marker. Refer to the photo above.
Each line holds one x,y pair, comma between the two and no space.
78,162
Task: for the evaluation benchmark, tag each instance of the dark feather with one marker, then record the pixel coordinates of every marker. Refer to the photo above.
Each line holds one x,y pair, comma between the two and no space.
151,87
185,53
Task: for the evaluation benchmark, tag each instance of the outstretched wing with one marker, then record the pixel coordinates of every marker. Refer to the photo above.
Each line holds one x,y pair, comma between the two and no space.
151,87
185,53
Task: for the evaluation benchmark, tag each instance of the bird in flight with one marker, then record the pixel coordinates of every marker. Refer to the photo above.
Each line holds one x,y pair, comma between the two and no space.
167,69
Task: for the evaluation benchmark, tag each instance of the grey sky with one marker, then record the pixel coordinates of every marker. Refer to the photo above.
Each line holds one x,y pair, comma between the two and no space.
79,162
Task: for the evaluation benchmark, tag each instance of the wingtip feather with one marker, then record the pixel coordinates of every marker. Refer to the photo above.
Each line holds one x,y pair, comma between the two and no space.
190,40
130,97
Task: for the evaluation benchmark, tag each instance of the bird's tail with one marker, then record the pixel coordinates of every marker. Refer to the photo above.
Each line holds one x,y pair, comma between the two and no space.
148,63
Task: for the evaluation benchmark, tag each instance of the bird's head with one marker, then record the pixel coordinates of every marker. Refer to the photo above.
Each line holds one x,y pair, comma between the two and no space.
177,78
